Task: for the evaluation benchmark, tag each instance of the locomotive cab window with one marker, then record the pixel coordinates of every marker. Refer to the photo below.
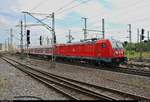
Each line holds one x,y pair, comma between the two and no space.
103,45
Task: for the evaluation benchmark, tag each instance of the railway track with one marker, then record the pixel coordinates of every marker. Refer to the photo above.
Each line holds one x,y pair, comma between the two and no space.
73,89
123,69
138,64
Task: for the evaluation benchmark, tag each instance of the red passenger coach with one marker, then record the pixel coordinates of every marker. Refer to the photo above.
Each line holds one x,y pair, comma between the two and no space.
41,51
102,51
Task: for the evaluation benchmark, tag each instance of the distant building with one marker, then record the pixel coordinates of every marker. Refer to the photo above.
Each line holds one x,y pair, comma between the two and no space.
2,47
6,47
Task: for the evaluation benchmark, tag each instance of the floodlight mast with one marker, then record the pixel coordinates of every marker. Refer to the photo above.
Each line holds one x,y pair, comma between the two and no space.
51,29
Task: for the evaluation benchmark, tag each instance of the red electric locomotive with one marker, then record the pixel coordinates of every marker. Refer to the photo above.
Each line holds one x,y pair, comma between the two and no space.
99,52
102,51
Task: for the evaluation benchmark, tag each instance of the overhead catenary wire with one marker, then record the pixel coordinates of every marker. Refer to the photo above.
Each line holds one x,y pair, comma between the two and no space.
38,5
64,6
127,6
64,10
135,21
60,9
131,5
55,11
83,2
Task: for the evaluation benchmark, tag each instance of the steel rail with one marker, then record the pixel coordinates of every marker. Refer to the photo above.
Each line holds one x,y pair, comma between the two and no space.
44,82
126,70
112,90
68,85
138,65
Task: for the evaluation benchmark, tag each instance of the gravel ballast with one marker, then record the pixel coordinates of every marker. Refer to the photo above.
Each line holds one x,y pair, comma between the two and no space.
133,84
14,83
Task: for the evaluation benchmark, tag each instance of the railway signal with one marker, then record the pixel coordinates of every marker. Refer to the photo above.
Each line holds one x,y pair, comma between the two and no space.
125,43
138,34
28,37
141,45
145,41
148,35
40,40
142,34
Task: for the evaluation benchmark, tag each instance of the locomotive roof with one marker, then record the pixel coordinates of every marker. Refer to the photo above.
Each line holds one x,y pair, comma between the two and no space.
45,46
81,43
76,43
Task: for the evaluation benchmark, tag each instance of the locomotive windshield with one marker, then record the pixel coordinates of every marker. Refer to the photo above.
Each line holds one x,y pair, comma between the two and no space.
117,44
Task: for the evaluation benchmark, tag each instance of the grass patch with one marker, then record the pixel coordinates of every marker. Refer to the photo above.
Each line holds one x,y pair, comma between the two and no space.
134,54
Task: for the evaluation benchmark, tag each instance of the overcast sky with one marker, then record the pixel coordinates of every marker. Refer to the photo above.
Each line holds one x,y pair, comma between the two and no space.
117,13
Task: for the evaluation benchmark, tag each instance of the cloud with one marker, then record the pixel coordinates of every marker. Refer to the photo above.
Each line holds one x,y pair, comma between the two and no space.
3,21
117,13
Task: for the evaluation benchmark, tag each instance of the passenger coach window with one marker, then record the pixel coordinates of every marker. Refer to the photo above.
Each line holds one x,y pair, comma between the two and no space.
103,45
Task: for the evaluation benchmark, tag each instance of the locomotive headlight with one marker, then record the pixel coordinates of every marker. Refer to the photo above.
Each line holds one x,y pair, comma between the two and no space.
116,52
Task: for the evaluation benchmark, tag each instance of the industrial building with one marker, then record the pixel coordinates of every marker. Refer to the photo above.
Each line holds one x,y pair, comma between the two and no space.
6,47
3,47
